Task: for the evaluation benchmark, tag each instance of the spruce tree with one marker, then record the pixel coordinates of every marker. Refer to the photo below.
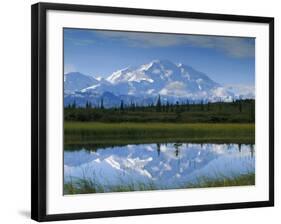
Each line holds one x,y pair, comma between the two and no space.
240,105
158,104
122,105
187,105
202,105
101,104
74,104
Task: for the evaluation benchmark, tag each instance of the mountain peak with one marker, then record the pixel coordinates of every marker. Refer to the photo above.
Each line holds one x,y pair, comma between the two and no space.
162,62
154,63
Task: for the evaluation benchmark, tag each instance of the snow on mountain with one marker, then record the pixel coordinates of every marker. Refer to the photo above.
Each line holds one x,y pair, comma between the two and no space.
242,91
128,75
162,72
75,81
161,77
143,84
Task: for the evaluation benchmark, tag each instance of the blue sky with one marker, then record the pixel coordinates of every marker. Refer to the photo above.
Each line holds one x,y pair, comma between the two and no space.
226,60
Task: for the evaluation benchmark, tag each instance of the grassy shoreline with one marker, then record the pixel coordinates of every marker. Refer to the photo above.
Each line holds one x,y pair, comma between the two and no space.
96,133
83,186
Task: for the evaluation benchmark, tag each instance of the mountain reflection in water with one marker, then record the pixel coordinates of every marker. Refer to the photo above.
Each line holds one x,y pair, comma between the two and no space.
165,165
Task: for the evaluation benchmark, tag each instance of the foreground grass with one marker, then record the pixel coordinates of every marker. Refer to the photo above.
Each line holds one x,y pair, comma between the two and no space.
83,186
242,180
96,133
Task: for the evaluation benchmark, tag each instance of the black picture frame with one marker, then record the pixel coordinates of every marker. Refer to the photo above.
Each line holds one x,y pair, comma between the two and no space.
39,123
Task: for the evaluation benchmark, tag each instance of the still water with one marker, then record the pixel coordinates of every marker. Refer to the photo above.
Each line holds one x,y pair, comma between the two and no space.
166,166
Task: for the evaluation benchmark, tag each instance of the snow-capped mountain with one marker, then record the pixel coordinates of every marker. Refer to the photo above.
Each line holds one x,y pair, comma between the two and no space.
142,85
163,77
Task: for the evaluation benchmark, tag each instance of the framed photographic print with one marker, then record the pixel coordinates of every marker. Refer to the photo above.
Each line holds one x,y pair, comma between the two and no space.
139,111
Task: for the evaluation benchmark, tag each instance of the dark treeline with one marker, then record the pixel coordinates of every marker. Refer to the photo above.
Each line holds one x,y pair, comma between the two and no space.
238,111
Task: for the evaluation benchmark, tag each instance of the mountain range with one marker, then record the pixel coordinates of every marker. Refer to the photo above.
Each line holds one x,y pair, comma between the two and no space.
145,83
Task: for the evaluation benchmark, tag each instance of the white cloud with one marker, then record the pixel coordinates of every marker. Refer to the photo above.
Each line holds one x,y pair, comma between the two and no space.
232,46
80,41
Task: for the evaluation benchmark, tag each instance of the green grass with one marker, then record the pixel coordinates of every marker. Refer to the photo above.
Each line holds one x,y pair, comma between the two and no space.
242,180
86,186
83,186
98,134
